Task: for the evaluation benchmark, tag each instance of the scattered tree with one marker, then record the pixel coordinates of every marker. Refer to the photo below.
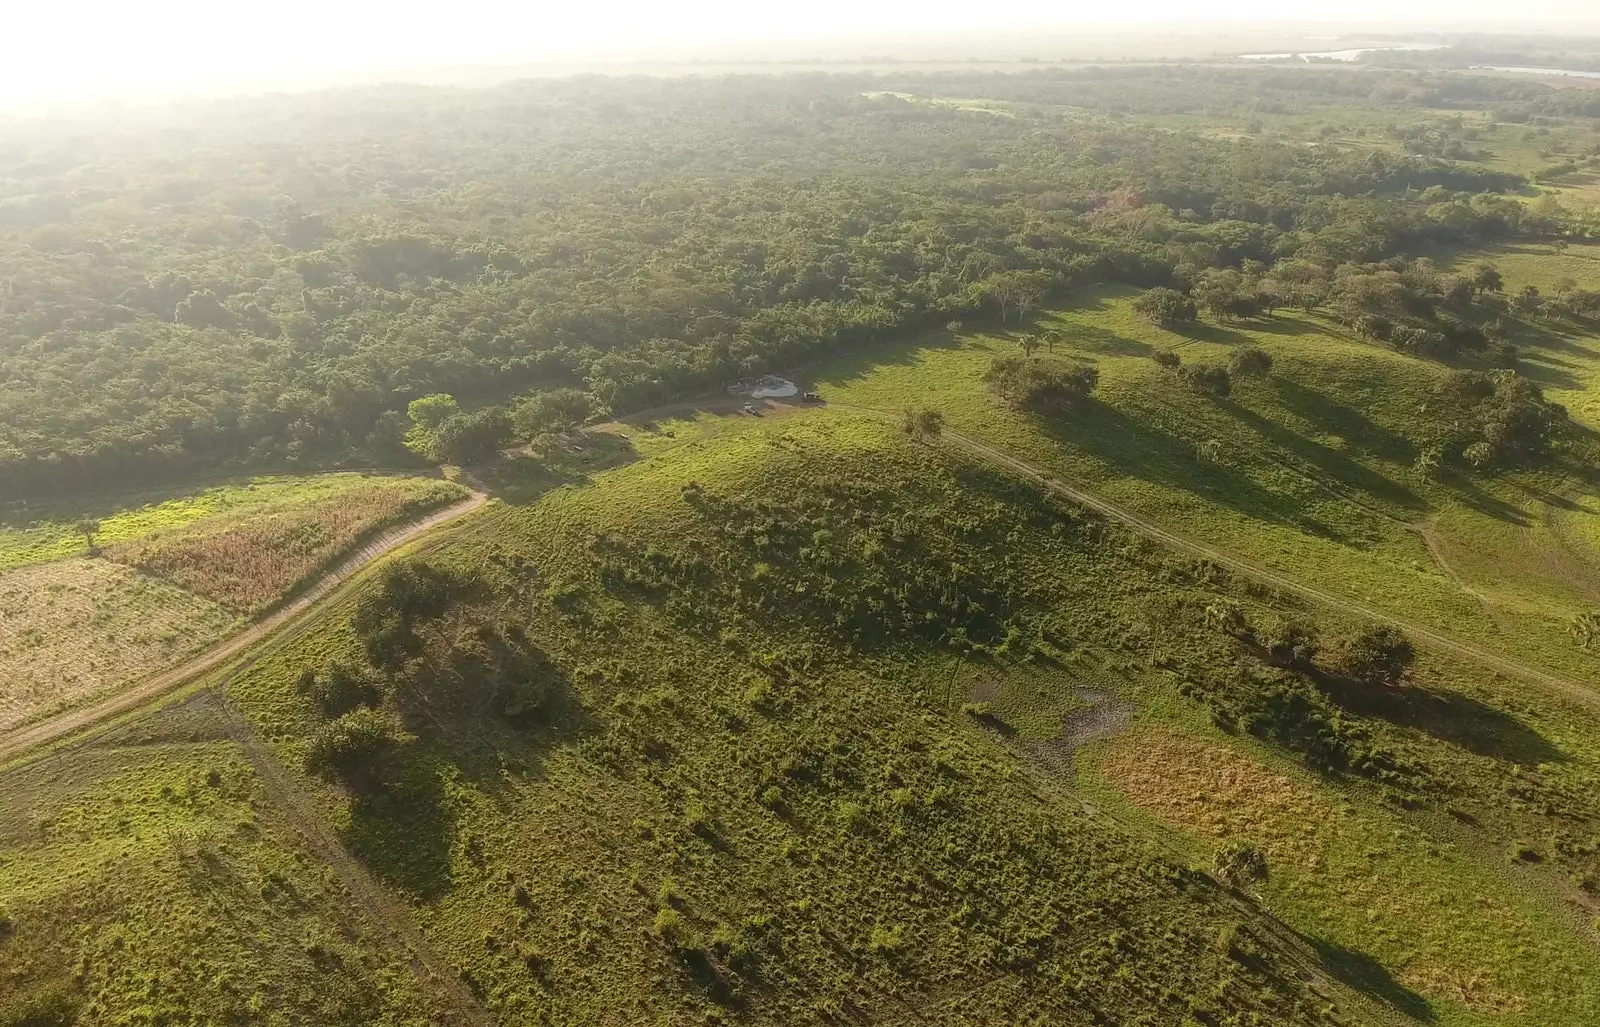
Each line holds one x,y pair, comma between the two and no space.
89,528
1165,306
1377,655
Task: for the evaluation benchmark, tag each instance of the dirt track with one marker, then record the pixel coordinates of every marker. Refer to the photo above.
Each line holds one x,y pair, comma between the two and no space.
50,729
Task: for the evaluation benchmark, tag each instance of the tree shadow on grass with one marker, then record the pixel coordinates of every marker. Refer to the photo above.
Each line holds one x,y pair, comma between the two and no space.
1343,420
1332,464
1449,716
1361,972
1547,372
1201,331
1142,452
1100,340
1287,325
521,478
403,824
401,828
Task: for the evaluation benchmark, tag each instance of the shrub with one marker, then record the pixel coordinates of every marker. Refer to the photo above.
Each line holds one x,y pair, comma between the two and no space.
1042,385
1378,655
670,926
1239,863
1249,362
1165,307
351,746
1210,379
1290,643
385,620
1167,359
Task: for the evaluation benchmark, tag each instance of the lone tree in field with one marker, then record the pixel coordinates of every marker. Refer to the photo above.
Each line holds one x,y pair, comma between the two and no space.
924,424
1029,343
1165,307
1378,655
1239,863
89,528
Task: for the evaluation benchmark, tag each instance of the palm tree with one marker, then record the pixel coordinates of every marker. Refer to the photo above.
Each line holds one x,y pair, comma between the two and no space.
1029,343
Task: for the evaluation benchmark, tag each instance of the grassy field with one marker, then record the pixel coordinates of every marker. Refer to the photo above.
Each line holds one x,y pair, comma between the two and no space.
251,555
147,879
1314,474
172,575
841,698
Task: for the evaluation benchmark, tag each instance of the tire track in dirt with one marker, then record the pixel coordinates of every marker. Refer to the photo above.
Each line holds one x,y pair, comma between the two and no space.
50,729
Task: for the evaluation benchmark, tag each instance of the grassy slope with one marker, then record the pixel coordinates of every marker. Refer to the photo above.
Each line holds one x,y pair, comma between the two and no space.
145,880
539,856
826,812
1316,475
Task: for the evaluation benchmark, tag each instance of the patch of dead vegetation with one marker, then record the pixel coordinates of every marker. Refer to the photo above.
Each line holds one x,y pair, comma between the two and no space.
1442,934
75,628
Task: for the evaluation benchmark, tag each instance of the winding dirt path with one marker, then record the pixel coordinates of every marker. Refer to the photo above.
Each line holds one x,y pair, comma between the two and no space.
50,729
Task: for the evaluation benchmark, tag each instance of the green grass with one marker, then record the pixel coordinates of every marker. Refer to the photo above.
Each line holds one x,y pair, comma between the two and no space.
740,740
1316,475
39,533
146,879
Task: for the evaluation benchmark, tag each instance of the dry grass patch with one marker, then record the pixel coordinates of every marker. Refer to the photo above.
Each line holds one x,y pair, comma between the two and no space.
76,628
1446,926
250,560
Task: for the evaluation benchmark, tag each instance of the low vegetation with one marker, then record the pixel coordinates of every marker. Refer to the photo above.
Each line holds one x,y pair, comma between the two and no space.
248,560
75,629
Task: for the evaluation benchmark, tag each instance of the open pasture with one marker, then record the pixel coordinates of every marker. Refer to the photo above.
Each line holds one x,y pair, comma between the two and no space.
1309,470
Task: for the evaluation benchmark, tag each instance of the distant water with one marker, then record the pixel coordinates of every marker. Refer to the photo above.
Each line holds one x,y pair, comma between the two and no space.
1340,55
1537,71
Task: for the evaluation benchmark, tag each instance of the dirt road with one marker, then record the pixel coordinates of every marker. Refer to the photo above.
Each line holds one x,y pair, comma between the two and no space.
70,721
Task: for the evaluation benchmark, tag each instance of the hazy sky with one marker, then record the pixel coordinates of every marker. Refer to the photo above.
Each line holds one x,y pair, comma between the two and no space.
77,48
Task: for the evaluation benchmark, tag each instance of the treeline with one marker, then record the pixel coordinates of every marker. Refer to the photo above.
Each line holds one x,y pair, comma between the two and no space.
274,287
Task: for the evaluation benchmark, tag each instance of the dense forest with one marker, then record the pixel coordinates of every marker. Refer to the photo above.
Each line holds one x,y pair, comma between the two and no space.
273,282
